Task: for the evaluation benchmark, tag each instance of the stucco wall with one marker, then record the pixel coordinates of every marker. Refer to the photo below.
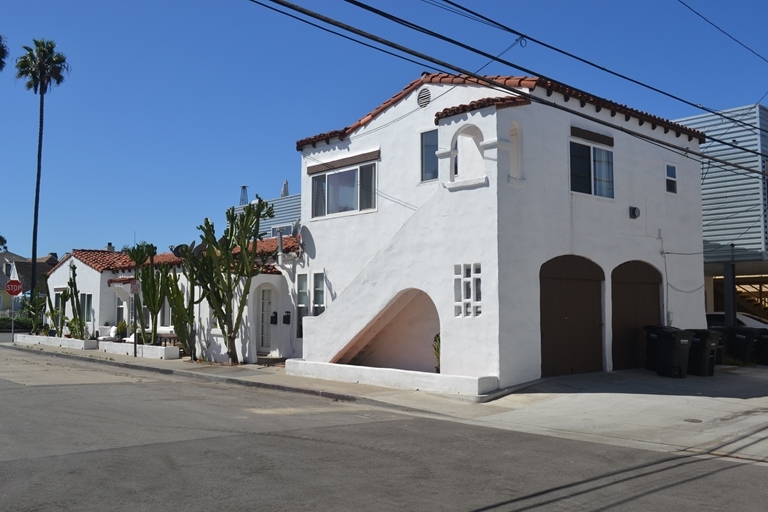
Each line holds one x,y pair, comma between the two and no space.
540,218
510,217
211,343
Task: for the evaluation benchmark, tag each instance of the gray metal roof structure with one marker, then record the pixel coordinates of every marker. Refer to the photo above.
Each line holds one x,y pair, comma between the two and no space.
733,201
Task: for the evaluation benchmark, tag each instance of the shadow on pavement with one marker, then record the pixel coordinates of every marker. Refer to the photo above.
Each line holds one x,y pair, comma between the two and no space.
728,382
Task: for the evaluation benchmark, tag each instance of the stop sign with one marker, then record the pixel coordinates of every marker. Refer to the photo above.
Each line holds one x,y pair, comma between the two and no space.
13,287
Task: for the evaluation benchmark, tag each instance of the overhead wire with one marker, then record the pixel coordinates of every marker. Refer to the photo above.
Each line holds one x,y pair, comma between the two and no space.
492,22
431,33
489,80
672,147
697,13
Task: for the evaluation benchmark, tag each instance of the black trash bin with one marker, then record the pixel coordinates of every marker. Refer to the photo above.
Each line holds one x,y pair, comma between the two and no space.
701,357
667,350
761,347
651,338
740,343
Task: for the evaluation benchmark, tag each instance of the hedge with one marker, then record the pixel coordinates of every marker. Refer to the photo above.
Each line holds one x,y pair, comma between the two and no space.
20,323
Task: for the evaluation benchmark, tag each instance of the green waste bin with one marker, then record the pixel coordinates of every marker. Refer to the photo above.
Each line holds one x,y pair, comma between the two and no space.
701,357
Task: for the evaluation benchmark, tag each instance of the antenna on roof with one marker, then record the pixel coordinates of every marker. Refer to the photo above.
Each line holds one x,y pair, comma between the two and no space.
243,195
284,190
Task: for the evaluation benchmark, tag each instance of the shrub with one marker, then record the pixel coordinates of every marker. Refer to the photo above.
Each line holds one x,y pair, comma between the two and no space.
20,323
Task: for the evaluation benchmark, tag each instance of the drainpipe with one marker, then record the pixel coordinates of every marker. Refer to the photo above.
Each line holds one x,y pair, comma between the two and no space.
280,248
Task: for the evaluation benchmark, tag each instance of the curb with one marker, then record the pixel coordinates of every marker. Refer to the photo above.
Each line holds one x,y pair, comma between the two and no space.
191,374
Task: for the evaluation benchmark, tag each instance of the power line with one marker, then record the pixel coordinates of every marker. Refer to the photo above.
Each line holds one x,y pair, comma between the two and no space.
326,29
490,21
418,28
494,84
753,52
665,145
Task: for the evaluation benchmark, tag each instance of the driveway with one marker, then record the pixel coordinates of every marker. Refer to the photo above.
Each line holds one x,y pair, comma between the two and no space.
724,415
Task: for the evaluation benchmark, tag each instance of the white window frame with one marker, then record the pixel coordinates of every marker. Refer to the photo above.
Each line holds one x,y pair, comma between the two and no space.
592,178
467,290
318,293
302,303
358,209
670,179
86,304
425,153
285,230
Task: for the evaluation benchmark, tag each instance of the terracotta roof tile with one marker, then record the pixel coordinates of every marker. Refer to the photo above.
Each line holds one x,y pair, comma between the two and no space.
101,260
269,245
501,102
507,81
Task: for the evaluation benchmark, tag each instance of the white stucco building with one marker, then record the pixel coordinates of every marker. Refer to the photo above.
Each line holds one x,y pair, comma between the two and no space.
536,240
103,283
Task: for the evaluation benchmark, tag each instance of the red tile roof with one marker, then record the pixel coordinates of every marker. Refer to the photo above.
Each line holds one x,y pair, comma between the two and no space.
507,81
101,260
501,102
269,245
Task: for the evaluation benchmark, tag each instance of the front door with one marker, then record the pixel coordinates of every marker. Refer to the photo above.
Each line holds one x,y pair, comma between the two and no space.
265,314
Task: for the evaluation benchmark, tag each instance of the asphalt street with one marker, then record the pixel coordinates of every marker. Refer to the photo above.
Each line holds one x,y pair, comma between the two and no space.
76,436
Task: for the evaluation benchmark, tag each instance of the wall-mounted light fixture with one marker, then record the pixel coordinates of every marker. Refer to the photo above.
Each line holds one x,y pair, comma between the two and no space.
634,212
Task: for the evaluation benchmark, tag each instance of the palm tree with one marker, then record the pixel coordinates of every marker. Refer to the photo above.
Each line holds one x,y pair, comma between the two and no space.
3,52
43,67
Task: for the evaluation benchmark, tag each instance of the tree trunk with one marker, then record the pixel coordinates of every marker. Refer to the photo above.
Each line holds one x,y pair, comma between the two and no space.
232,350
33,284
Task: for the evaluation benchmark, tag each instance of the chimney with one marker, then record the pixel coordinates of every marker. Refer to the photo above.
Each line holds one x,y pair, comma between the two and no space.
110,247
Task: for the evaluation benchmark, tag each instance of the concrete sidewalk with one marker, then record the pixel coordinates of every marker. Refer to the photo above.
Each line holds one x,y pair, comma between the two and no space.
725,415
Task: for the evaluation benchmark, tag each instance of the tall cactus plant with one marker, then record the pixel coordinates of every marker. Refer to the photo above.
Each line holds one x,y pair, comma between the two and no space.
58,315
182,303
153,288
76,323
139,254
226,266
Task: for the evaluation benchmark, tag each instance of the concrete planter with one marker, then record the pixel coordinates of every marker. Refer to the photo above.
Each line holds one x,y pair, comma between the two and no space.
393,378
147,351
52,341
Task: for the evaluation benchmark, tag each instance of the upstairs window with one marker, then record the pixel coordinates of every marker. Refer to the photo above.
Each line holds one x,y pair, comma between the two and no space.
428,155
285,230
671,179
591,170
349,190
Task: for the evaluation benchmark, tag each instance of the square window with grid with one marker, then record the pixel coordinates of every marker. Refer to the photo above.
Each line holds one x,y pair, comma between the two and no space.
467,291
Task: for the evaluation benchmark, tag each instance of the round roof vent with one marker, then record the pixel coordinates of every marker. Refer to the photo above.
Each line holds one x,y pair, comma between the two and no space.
424,97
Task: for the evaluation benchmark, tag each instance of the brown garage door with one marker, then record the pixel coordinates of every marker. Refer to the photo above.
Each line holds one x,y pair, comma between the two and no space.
571,316
636,291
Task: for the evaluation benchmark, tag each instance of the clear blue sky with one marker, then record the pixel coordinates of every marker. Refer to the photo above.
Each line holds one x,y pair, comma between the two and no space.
172,105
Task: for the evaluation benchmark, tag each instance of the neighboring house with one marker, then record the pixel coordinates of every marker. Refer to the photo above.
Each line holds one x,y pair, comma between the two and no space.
6,263
269,327
271,324
287,209
24,271
103,283
535,240
734,204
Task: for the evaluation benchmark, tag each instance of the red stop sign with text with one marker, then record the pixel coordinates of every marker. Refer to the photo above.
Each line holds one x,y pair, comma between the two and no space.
13,287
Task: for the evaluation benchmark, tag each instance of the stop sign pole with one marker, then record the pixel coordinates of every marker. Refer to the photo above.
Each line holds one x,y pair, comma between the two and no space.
14,288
